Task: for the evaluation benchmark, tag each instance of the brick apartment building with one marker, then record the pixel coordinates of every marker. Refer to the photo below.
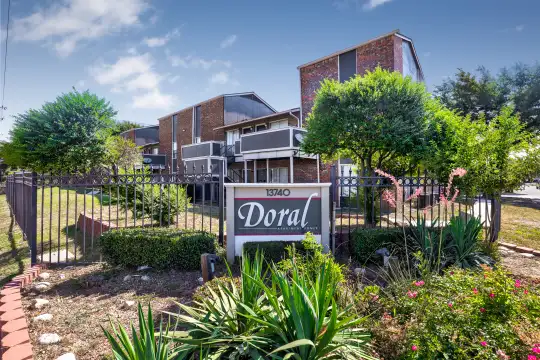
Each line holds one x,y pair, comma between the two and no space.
257,143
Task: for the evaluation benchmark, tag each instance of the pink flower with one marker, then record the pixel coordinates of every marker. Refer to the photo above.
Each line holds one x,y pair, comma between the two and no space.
531,357
419,283
502,355
450,305
475,291
414,348
518,283
491,295
390,198
412,294
482,310
525,291
483,343
536,349
399,189
416,194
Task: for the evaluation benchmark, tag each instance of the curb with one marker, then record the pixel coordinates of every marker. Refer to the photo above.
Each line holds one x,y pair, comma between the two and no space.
520,249
14,336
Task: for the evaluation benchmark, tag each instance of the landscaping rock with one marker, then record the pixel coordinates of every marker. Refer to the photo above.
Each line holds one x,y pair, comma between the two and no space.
145,278
44,276
128,304
143,268
201,280
47,339
67,356
527,255
127,277
39,303
43,317
42,286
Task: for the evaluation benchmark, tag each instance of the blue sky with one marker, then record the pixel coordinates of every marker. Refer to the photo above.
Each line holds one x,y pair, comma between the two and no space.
152,57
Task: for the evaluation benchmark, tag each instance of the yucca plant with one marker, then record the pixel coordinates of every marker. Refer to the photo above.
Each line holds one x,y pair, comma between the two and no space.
302,320
144,345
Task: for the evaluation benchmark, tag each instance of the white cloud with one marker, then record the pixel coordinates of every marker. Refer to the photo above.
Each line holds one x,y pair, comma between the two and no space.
372,4
134,74
194,62
228,41
160,41
153,100
220,78
70,22
520,28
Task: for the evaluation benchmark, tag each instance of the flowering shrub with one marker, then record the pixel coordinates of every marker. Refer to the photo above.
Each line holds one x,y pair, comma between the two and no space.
462,315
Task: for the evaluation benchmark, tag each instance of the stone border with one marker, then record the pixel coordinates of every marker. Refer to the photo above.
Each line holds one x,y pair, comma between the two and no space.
520,249
14,336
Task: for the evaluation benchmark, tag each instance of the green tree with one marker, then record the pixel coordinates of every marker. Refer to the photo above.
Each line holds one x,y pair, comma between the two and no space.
377,119
121,126
483,95
122,152
499,154
69,133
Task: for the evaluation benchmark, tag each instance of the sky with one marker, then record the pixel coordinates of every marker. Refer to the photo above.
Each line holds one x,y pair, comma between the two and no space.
152,57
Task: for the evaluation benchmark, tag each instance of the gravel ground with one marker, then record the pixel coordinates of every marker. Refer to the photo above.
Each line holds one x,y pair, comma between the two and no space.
82,299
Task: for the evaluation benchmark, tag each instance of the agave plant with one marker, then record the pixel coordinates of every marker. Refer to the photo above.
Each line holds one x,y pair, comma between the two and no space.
464,243
303,321
144,345
216,324
285,316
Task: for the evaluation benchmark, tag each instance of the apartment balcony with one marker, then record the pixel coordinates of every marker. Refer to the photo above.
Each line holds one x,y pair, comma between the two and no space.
155,160
202,150
271,144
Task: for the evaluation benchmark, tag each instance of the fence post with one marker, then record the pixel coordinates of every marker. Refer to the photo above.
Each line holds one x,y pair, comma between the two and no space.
333,189
32,224
221,202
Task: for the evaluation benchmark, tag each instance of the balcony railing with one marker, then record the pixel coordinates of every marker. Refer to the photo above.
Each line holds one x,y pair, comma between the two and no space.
288,138
207,148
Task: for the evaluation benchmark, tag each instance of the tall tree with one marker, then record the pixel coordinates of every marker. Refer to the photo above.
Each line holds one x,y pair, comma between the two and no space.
484,95
122,152
121,126
377,119
69,133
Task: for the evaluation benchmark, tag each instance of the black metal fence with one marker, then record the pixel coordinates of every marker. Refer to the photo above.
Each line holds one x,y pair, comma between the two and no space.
358,202
63,215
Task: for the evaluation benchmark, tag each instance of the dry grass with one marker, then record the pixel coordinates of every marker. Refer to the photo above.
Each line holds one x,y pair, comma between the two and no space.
82,299
520,224
14,253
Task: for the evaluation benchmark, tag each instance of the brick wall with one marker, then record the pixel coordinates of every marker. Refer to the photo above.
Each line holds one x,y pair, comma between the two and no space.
398,54
310,79
211,118
184,130
376,53
165,137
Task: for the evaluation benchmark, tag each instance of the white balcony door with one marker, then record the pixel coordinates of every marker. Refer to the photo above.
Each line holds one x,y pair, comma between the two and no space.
232,136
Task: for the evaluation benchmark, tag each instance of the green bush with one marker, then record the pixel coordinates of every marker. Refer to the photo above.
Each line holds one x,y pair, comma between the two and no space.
364,242
159,248
464,314
274,251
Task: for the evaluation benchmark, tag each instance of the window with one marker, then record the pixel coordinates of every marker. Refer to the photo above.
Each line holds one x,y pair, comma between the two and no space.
347,65
409,63
279,175
261,175
232,136
247,130
155,151
174,124
242,107
196,124
260,127
279,124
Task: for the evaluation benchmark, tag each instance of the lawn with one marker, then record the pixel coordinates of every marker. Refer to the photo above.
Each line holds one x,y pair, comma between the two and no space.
14,252
521,224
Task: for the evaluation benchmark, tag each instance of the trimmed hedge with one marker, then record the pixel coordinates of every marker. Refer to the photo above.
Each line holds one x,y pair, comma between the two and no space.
364,242
273,250
159,248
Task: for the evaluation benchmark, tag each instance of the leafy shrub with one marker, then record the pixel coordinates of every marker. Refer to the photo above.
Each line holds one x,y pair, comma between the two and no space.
274,251
205,291
364,242
464,314
310,259
159,248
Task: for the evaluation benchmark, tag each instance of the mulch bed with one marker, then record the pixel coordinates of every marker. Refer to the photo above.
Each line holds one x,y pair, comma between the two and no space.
84,298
